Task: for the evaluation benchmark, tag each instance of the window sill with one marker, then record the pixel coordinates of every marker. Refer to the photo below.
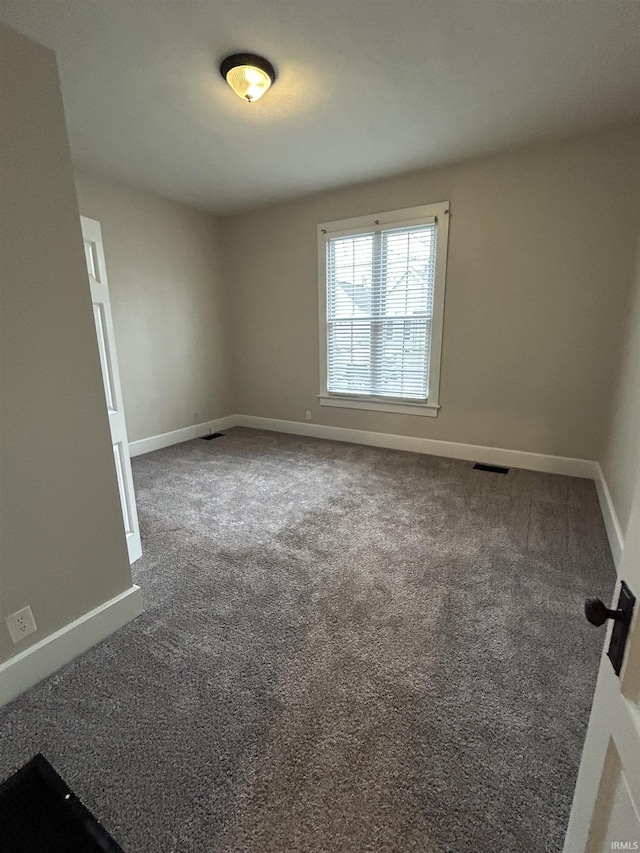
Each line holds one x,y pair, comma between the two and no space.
424,410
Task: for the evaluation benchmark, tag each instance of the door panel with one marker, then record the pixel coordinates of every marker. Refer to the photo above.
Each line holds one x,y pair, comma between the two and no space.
605,814
127,514
98,282
618,819
105,361
622,818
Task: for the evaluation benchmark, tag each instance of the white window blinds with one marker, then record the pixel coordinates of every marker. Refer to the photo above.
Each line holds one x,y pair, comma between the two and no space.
380,292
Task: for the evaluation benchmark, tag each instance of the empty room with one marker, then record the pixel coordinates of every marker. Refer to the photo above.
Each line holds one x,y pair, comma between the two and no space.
319,426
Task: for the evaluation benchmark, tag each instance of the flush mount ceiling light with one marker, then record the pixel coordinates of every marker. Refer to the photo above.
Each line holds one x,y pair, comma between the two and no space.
248,75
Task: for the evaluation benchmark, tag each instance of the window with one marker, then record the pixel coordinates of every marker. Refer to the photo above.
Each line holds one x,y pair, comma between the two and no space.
382,283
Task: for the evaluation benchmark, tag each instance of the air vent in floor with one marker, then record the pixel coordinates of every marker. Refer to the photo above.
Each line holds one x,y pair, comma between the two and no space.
493,469
213,435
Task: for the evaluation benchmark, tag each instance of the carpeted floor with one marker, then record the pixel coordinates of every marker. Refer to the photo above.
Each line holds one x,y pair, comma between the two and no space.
344,649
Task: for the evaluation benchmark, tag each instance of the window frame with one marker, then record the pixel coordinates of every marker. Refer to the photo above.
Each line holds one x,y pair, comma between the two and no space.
421,215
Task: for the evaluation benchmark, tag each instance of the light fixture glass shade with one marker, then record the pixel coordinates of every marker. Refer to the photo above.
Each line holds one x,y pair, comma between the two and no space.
248,75
248,82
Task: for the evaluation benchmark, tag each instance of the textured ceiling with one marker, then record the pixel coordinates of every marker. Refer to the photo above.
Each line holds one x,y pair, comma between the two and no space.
365,87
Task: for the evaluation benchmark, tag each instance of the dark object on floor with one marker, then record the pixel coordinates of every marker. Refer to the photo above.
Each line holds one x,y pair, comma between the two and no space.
213,435
492,469
39,813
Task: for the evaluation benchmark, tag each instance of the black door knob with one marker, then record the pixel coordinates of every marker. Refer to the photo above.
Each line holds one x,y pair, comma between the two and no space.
597,612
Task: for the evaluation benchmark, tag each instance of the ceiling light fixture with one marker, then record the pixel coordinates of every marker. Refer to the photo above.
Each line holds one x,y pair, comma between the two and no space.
248,75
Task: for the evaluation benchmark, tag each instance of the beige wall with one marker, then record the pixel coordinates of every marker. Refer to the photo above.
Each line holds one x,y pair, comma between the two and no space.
169,303
540,257
621,460
62,545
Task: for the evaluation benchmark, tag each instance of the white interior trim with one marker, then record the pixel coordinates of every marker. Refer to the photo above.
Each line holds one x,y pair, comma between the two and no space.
341,401
437,212
44,658
177,436
546,463
611,523
453,450
30,666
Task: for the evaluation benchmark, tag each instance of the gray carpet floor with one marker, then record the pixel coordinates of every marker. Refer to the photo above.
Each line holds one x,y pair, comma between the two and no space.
344,649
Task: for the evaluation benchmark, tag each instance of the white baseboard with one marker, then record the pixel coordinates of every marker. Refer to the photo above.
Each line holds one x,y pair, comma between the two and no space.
176,436
33,664
547,463
611,523
452,450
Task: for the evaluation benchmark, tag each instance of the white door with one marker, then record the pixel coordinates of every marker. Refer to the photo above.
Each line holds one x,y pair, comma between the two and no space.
606,806
94,254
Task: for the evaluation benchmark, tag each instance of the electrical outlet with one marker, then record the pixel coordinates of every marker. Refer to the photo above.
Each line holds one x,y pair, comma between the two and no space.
21,624
308,415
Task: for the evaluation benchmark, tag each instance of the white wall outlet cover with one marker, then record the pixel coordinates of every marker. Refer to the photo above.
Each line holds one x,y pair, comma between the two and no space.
21,624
